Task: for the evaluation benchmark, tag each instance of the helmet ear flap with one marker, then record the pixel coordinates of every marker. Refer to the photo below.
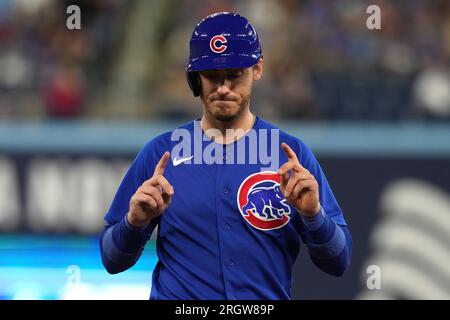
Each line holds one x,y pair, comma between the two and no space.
193,81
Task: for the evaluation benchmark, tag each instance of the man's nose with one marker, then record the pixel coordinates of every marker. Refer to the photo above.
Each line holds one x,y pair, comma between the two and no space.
224,87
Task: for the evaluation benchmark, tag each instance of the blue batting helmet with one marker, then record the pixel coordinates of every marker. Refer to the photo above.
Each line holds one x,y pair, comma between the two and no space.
221,41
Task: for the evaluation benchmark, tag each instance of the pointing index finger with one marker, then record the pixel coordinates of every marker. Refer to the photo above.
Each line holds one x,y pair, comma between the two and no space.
288,151
292,156
161,166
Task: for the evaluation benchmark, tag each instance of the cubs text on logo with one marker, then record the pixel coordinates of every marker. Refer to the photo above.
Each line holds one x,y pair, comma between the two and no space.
261,202
218,44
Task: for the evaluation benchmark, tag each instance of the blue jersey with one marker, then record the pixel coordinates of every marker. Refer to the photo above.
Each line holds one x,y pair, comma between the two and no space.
228,232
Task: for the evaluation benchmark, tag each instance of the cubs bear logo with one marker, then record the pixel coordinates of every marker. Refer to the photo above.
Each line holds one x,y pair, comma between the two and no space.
261,202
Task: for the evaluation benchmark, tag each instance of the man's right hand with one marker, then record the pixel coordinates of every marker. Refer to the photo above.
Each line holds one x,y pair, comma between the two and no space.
152,197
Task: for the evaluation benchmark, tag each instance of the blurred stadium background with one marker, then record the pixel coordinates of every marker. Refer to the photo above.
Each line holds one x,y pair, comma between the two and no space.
76,106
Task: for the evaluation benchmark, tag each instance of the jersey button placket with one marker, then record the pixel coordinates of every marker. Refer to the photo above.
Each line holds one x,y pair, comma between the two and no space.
223,192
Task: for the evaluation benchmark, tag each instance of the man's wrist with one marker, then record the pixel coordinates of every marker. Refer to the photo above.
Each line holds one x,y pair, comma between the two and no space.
132,225
315,221
126,237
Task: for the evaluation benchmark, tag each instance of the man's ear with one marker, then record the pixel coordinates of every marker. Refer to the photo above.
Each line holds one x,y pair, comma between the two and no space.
257,70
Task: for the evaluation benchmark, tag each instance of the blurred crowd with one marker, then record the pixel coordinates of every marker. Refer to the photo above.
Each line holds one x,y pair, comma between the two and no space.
321,61
47,70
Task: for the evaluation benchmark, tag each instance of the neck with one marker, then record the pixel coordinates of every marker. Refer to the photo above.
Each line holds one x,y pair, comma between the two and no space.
239,126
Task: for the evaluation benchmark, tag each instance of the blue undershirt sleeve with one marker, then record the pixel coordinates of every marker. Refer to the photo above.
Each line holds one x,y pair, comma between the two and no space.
121,244
329,244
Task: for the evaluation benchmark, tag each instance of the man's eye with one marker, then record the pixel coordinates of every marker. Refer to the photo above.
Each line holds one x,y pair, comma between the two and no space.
234,75
212,77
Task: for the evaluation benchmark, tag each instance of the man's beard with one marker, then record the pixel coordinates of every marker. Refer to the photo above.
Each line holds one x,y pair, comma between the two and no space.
227,118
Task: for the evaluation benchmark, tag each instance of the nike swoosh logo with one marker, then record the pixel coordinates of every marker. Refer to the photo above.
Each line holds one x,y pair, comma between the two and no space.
180,160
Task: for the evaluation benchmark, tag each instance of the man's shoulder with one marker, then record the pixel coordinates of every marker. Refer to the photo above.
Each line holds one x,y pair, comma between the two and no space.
284,136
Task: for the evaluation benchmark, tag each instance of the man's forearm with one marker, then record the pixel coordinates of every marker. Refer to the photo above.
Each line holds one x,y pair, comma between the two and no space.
329,244
121,246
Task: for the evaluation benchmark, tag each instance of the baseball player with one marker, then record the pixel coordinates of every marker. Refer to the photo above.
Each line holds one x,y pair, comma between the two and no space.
229,228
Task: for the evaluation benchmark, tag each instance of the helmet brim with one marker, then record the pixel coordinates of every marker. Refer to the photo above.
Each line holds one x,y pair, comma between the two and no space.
222,61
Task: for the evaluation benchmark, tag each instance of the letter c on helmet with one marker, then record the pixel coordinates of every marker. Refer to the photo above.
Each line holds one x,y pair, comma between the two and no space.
218,48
